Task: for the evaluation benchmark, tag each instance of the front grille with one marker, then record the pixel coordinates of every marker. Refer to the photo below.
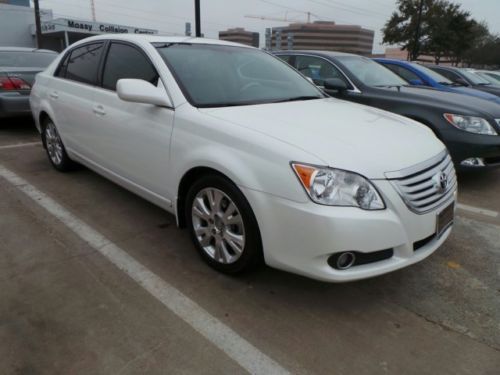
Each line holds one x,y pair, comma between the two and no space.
421,186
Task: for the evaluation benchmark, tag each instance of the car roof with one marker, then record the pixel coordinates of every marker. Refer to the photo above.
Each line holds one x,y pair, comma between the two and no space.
25,49
149,38
314,52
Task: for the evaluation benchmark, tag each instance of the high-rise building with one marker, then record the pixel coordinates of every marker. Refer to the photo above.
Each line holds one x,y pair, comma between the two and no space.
323,35
240,35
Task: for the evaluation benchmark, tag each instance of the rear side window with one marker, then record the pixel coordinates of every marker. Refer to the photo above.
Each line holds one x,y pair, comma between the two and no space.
124,61
83,63
450,75
317,69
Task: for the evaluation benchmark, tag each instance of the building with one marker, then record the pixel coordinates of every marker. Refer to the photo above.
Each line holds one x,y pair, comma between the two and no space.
240,35
24,3
17,28
396,53
323,35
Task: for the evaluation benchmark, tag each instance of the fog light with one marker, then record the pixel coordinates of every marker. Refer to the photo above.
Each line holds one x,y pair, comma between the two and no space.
473,162
345,260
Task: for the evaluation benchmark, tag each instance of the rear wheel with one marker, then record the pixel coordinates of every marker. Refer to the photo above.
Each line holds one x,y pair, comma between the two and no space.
55,148
222,225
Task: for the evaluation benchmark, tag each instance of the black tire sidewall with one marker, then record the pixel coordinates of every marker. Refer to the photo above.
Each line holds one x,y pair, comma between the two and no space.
252,252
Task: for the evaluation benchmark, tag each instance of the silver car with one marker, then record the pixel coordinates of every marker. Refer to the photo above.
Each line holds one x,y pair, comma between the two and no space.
18,67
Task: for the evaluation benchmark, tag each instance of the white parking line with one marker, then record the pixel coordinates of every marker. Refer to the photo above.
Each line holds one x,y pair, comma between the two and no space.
478,210
16,145
227,340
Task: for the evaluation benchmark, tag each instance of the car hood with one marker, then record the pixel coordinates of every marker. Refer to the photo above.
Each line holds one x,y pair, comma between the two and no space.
341,134
465,104
477,93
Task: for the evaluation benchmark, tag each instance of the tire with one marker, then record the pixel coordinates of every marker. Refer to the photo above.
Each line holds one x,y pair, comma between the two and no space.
222,225
54,146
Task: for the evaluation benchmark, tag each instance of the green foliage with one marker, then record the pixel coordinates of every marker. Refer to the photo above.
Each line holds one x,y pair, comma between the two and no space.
446,31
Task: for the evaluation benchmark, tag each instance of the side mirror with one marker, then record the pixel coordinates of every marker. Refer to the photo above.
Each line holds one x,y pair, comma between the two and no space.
335,84
416,82
140,91
460,81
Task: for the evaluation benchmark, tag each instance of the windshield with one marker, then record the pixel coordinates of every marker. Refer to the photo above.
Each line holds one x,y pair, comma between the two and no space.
218,76
488,78
26,59
493,75
474,78
431,73
371,73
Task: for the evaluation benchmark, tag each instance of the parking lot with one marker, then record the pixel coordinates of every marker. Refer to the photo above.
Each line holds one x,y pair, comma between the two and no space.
96,280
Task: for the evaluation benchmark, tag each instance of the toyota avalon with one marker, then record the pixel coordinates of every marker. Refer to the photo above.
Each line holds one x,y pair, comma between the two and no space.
249,155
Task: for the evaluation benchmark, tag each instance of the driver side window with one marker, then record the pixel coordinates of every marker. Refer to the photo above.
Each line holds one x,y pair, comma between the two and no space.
317,69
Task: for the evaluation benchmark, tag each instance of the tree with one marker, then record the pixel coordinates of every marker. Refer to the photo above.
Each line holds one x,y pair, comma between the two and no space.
402,25
446,30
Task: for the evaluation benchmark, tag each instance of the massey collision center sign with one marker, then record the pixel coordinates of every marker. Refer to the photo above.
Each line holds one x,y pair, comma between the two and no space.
65,24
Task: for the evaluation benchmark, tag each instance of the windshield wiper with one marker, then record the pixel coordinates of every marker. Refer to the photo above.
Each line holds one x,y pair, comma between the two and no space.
297,98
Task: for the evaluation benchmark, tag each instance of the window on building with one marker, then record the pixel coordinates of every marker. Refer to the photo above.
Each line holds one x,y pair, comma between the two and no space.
83,63
317,69
124,61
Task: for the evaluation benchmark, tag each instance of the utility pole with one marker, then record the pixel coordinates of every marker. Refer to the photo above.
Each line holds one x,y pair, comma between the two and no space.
416,46
92,7
38,25
197,18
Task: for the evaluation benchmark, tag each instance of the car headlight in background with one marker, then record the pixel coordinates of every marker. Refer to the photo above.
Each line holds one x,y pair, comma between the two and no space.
470,124
335,187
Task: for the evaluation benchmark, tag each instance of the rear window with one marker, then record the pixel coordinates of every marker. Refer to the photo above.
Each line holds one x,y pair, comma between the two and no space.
26,59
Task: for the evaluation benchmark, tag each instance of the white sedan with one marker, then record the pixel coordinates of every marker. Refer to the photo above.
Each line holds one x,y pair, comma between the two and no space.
257,162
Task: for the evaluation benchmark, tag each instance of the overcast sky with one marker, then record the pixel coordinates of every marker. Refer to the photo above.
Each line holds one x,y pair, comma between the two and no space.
169,16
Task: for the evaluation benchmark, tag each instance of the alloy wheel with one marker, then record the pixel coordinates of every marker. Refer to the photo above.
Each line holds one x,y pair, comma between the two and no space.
218,225
54,144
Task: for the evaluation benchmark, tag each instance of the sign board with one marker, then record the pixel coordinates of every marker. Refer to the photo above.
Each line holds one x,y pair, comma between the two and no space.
90,27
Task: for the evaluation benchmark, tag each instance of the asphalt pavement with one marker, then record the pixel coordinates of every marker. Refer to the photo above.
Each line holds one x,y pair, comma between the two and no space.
95,280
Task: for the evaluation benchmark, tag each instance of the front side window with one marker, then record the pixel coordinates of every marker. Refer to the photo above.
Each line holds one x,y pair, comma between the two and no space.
218,75
83,63
438,77
317,69
450,75
124,61
369,72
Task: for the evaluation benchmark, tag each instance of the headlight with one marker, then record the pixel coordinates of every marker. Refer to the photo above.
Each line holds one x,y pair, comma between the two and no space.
335,187
470,124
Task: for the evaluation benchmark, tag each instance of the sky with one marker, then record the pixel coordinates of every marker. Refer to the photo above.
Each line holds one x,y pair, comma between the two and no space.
169,16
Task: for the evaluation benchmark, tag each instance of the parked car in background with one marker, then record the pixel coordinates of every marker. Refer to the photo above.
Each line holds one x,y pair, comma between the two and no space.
466,78
18,67
419,75
252,157
494,75
492,78
469,126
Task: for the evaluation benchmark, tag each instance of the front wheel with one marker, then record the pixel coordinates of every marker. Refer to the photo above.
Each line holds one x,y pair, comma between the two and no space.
222,225
55,148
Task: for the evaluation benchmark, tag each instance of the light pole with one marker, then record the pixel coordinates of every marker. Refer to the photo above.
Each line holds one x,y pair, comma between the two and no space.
197,18
38,24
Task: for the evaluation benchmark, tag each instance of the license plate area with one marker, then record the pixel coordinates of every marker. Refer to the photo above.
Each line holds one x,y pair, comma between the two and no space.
445,219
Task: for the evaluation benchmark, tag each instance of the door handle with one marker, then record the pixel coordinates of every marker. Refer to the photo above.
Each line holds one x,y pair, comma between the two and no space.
99,110
54,95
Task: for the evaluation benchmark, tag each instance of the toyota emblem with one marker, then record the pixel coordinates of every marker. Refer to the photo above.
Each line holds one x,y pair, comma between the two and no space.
440,182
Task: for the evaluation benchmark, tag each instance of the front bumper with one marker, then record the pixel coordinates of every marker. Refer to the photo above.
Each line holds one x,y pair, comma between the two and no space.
463,145
300,237
14,104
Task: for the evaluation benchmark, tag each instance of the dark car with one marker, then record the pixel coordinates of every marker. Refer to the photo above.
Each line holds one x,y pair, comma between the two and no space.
466,78
18,67
469,126
418,75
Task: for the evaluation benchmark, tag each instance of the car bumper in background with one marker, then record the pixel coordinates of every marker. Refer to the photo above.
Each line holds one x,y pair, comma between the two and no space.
14,104
302,237
464,146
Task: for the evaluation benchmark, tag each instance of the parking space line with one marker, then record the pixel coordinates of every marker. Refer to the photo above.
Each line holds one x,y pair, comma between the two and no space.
478,210
16,145
222,336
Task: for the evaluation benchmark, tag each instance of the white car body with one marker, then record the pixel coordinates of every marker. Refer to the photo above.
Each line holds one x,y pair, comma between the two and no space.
149,149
